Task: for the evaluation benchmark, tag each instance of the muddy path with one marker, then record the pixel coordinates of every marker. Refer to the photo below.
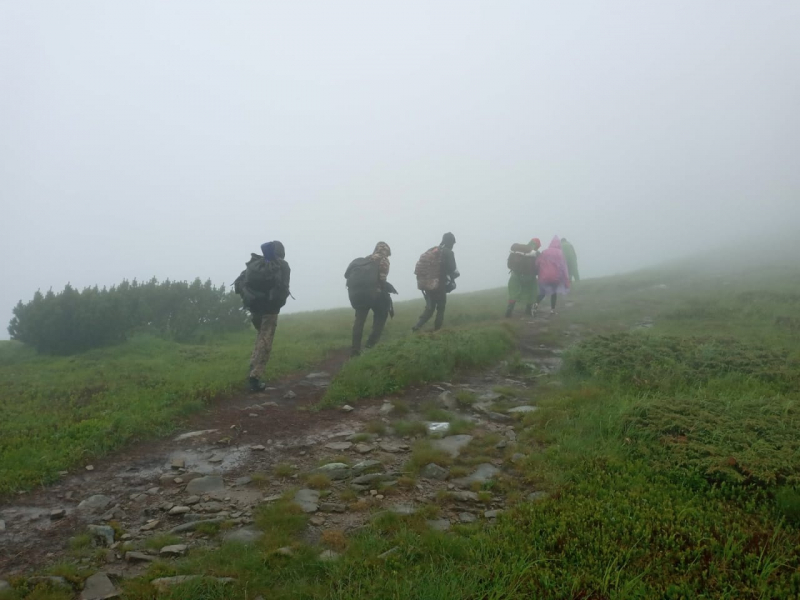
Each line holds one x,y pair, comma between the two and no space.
243,451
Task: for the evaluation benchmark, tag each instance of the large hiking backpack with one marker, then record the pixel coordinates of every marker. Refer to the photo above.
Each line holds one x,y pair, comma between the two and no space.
522,260
429,269
261,285
363,275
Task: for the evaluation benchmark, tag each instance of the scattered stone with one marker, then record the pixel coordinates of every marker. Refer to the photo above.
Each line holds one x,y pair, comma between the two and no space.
138,557
54,581
178,463
466,517
339,446
332,507
347,408
217,459
511,435
99,587
403,509
329,556
498,417
489,397
174,550
492,514
153,491
434,471
517,458
193,434
179,510
365,465
386,409
150,525
245,535
240,481
102,532
317,521
178,480
290,395
285,551
335,471
210,507
97,502
448,400
439,524
393,447
192,500
307,500
258,447
502,444
162,584
204,485
56,514
371,478
192,525
485,472
125,537
388,553
464,496
525,408
90,467
453,444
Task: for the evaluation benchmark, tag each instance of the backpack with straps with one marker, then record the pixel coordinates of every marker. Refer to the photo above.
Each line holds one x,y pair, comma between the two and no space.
363,275
429,269
261,285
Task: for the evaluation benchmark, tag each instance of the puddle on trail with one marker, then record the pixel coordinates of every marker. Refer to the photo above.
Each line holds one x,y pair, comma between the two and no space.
206,460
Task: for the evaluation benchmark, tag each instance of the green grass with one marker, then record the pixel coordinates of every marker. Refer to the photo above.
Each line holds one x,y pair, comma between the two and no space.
75,409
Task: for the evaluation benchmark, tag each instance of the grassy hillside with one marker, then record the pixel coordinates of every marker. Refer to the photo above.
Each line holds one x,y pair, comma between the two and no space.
668,445
56,413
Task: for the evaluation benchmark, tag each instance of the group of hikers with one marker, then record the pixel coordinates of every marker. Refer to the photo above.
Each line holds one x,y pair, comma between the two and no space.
264,288
535,275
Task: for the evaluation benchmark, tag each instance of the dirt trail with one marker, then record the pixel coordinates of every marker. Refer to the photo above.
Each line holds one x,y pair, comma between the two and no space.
152,488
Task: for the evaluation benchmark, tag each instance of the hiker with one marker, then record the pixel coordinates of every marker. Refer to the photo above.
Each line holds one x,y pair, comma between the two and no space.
571,258
368,290
553,274
264,288
522,282
436,277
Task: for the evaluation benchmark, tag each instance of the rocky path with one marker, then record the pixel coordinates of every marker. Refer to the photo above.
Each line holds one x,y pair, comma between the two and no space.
452,444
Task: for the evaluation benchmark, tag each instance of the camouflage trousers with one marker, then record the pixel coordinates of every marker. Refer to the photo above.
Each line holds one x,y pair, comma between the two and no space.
266,325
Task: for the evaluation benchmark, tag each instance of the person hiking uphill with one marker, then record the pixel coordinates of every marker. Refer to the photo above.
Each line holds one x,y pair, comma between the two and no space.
522,282
264,288
368,290
553,274
436,273
572,259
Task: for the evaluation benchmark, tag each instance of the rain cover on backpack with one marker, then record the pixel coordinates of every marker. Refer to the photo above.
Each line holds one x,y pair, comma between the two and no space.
429,270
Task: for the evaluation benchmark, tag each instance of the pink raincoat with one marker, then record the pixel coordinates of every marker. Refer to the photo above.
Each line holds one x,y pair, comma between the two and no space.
553,272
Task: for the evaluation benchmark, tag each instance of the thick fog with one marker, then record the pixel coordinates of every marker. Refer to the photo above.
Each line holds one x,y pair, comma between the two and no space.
171,138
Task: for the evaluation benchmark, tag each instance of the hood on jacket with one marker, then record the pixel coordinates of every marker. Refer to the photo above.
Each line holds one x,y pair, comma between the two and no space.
448,240
273,250
382,249
556,243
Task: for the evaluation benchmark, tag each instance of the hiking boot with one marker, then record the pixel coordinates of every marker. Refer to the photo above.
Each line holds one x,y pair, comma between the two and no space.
535,309
510,310
256,385
529,310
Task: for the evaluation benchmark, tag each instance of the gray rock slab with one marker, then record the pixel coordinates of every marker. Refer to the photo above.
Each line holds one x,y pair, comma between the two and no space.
439,524
194,434
403,509
335,471
174,550
434,471
393,447
466,517
484,472
364,448
205,485
464,496
332,507
307,500
99,587
493,514
453,444
329,556
525,408
245,535
448,400
371,478
97,502
138,557
195,524
104,533
339,446
366,465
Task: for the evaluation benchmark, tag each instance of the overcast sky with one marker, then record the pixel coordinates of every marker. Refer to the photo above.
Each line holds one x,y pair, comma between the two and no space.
171,138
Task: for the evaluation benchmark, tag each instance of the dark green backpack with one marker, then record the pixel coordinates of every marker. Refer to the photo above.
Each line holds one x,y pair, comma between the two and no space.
363,275
261,285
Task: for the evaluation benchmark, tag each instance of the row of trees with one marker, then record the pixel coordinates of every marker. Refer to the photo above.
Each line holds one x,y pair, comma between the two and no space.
73,321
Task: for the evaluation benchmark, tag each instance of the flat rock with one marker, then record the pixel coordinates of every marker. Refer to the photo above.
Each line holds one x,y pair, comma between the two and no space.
393,447
194,434
347,408
317,521
485,472
318,375
463,496
179,510
307,500
290,395
489,397
245,535
339,446
150,525
240,481
204,485
453,444
162,584
138,557
439,524
403,509
364,448
55,514
525,408
448,400
258,448
493,514
335,471
103,532
371,478
332,507
366,465
174,550
466,517
192,500
99,587
178,463
329,556
97,502
434,471
386,409
191,526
